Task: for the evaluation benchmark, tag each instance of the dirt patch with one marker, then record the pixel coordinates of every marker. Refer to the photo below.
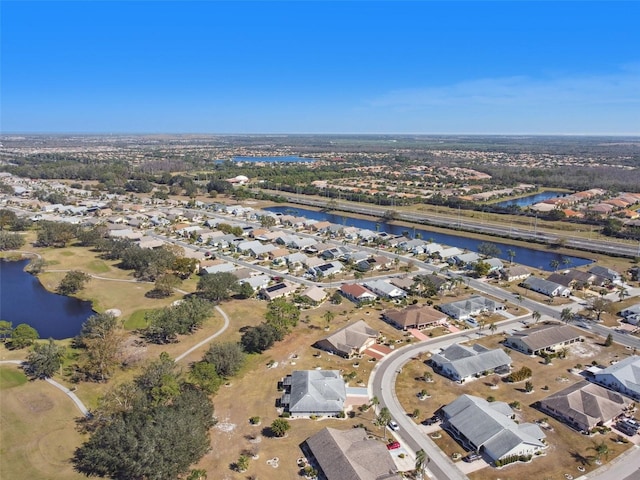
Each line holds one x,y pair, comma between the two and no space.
35,402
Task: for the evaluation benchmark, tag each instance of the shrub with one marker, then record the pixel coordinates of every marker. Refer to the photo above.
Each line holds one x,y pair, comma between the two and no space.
519,375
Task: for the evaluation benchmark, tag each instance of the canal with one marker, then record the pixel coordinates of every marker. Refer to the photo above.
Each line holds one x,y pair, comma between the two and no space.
525,256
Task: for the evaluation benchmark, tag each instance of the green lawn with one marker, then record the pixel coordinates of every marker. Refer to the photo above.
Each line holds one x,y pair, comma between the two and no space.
11,377
98,266
137,320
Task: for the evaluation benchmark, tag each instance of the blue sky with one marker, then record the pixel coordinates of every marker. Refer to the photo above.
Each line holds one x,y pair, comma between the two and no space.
504,67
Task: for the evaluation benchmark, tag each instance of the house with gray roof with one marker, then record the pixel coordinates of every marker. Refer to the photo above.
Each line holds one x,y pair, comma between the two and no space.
584,405
474,305
350,455
487,428
515,272
460,363
313,392
611,275
350,340
546,287
623,377
545,338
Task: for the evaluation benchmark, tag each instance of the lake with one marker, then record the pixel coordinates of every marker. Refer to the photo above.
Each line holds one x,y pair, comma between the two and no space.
23,299
529,199
284,159
525,256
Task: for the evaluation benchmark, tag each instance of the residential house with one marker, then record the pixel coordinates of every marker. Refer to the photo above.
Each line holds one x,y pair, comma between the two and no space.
550,289
465,259
257,282
278,290
349,341
487,428
631,314
279,255
474,305
584,405
415,316
623,377
315,295
544,338
357,293
313,392
326,269
449,252
217,268
350,455
461,363
515,272
495,264
385,289
611,275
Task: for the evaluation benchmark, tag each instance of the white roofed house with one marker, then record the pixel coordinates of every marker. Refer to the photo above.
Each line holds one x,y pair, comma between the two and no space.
278,290
296,260
326,269
474,305
351,340
313,392
461,363
449,252
465,259
385,289
550,289
315,295
623,377
487,428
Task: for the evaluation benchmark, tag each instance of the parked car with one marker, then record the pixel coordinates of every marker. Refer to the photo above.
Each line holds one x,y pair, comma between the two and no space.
472,457
430,421
393,445
393,426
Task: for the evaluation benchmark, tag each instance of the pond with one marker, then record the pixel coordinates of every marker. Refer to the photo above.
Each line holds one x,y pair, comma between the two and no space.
23,299
525,256
529,199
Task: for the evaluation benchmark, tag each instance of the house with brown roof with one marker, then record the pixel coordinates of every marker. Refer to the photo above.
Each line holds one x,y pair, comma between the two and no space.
515,272
415,316
584,405
350,455
350,340
545,338
357,293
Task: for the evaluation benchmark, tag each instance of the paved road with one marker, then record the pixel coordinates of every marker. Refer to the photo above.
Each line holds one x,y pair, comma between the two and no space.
504,231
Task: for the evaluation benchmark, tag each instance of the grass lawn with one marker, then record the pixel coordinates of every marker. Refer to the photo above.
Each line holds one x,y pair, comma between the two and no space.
11,377
38,433
136,320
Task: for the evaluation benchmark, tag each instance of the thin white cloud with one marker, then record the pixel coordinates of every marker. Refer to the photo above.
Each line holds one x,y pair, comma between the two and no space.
520,91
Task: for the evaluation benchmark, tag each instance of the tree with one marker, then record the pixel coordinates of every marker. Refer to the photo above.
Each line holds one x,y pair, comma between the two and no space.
383,418
336,298
216,287
421,462
227,358
5,330
511,254
489,249
566,315
11,241
55,234
282,315
181,319
493,327
166,284
45,360
599,305
157,442
622,293
204,375
7,218
481,269
554,264
328,317
260,338
601,450
184,267
102,338
72,282
528,386
536,315
609,341
279,427
159,380
242,463
245,290
23,336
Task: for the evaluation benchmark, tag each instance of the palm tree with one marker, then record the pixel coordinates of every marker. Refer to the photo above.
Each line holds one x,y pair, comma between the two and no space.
383,418
554,264
536,316
566,315
511,254
328,316
622,293
493,327
601,450
421,462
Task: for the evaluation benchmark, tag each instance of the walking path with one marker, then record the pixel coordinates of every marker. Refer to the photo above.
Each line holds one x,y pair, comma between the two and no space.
208,339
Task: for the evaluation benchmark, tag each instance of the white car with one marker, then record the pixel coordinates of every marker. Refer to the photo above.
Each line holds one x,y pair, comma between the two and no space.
393,426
